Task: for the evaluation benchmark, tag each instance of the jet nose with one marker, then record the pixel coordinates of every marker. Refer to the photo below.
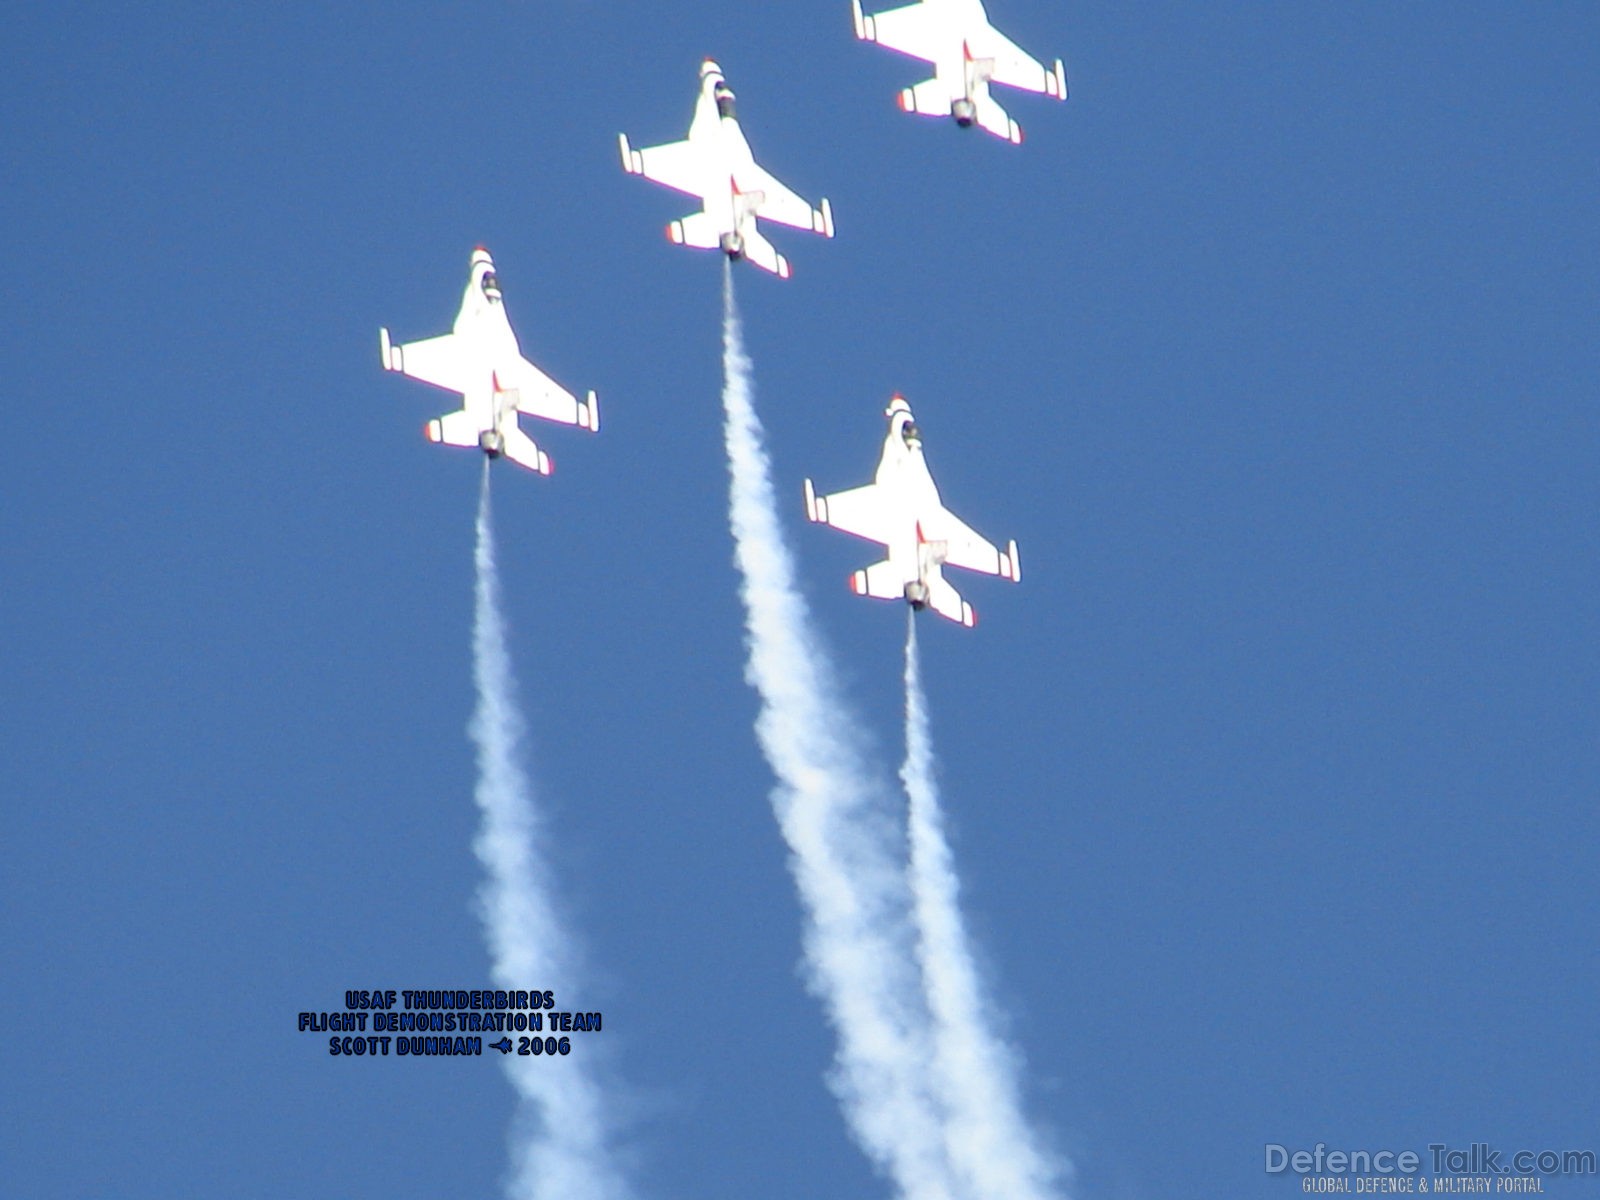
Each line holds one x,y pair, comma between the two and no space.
481,255
709,68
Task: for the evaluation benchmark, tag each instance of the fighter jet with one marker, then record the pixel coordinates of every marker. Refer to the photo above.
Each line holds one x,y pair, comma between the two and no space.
967,53
715,164
481,360
901,510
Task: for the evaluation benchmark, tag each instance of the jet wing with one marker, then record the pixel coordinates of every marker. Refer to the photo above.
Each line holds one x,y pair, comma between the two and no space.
1013,67
679,165
862,511
915,29
965,548
540,396
781,204
439,361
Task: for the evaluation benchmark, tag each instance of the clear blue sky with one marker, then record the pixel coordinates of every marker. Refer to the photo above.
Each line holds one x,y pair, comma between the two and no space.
1274,784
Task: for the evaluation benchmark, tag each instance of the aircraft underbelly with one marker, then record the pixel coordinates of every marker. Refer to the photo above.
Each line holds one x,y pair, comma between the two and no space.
907,560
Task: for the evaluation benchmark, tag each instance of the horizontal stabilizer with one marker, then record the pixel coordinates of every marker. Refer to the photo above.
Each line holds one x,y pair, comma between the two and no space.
699,231
995,119
947,602
453,429
880,581
520,449
589,415
930,98
764,254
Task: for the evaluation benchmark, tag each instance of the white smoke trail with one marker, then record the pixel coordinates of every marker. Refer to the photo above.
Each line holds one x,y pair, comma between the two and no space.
832,814
990,1146
560,1151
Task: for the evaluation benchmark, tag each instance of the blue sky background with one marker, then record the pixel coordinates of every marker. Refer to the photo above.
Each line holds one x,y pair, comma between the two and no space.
1273,784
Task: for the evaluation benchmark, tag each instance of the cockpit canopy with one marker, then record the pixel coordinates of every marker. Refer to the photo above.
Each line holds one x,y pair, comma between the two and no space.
911,434
491,285
723,95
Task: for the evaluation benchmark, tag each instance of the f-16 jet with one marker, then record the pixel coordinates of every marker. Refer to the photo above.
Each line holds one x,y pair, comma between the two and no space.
481,360
967,53
901,510
714,163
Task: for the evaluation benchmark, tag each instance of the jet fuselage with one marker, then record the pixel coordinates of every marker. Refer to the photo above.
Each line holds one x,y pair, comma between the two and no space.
716,127
487,337
910,492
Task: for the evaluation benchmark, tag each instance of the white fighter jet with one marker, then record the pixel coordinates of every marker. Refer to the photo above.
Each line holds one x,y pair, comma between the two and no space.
481,360
967,53
900,509
715,164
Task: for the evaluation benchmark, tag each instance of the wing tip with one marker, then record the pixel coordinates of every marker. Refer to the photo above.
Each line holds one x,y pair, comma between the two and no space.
866,27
